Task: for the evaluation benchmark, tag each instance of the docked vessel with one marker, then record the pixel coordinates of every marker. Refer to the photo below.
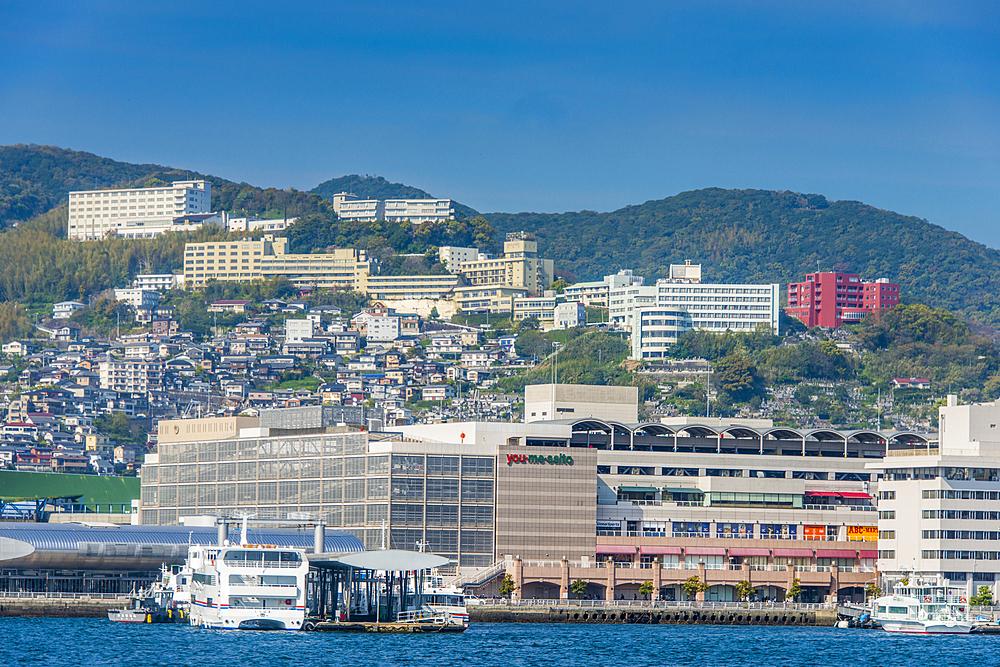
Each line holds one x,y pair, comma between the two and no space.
447,602
165,601
924,606
249,586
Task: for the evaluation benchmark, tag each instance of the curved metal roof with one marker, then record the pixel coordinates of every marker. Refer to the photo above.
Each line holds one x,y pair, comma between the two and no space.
740,431
69,537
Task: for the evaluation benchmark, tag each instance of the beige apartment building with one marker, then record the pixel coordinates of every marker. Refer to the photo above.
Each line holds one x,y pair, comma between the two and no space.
520,266
140,212
249,259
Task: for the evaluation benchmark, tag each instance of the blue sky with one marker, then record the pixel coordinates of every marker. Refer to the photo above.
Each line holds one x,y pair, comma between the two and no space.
530,106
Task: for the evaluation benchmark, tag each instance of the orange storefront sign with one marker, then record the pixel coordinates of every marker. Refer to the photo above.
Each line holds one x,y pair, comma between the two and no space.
814,532
862,533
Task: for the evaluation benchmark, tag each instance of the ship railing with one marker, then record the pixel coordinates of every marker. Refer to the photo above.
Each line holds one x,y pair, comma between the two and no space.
261,564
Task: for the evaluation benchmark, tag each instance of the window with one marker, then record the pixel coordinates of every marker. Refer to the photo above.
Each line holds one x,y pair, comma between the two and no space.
888,514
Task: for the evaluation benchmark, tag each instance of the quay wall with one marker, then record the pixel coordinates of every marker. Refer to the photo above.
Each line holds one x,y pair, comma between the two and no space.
59,607
652,615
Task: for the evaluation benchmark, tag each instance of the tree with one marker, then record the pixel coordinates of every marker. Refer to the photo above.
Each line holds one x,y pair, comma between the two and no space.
507,586
579,588
559,286
794,592
984,599
693,586
872,590
530,322
744,590
738,378
645,589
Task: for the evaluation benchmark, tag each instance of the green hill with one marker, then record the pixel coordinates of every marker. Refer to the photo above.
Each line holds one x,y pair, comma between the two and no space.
36,179
376,187
765,236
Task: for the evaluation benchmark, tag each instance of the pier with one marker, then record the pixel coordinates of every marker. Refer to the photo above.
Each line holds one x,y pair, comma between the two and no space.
653,613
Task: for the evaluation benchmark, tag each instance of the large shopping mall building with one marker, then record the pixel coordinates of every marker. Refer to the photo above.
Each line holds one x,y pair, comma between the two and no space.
580,490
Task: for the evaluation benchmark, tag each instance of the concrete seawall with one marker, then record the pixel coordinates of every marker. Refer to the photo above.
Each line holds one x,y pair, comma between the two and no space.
652,616
58,607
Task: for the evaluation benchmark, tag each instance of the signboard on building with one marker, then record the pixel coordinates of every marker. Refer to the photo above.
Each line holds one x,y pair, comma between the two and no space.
862,533
814,532
608,525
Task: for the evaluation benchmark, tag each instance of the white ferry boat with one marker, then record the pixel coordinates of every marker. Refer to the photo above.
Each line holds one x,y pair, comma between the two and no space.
250,586
445,600
924,606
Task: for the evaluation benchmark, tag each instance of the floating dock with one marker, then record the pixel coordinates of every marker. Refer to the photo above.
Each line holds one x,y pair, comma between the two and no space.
330,626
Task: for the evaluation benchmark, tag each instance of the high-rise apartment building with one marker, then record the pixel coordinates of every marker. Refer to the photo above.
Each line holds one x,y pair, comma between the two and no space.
831,299
140,212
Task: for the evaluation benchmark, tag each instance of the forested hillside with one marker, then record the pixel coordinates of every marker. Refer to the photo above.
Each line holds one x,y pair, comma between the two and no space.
36,179
764,236
376,187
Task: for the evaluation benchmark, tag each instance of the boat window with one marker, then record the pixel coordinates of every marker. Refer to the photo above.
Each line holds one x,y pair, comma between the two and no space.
290,557
881,610
897,610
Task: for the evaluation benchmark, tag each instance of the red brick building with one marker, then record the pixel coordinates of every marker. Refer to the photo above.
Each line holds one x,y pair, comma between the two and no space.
833,299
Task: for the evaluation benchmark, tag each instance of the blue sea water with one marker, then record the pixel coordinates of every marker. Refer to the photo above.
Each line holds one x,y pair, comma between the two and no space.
69,642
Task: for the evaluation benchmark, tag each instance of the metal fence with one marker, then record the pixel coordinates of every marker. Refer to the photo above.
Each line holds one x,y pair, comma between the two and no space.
34,595
646,604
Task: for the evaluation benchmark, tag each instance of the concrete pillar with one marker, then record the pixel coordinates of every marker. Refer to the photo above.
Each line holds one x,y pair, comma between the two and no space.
834,581
609,594
517,576
319,537
703,576
746,572
657,577
790,578
564,580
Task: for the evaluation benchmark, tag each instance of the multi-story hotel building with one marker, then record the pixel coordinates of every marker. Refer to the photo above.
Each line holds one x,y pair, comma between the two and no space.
613,501
140,212
131,375
938,505
596,293
348,206
682,302
495,299
832,299
396,288
249,259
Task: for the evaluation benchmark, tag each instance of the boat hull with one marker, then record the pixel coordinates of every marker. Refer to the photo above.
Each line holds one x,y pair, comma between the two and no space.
928,627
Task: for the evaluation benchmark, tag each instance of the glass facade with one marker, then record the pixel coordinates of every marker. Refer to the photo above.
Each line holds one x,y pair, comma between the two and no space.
445,503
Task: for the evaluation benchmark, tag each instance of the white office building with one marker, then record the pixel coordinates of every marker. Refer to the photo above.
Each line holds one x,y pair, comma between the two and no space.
596,293
569,315
938,506
140,212
297,331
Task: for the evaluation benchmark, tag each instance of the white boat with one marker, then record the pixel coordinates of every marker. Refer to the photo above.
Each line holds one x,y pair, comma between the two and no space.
446,601
249,586
924,606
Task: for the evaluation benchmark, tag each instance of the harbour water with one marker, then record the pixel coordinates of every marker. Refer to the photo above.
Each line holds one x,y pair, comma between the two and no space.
87,641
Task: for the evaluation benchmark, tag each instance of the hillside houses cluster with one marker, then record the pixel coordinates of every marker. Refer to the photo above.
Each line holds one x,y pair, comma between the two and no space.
380,360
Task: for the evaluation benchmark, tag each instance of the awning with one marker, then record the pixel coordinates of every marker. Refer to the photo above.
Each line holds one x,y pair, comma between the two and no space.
749,551
869,554
647,550
705,551
678,490
615,549
793,553
637,489
853,494
836,553
825,494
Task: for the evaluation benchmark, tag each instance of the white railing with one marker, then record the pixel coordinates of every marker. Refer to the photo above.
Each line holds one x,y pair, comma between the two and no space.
862,508
481,576
812,568
767,568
